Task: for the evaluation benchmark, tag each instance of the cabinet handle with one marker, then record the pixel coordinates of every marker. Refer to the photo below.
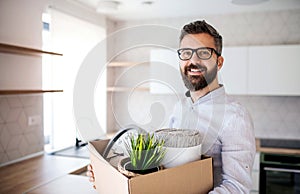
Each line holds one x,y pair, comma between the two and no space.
281,170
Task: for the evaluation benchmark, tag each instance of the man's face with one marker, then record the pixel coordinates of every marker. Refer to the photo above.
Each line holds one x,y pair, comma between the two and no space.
198,73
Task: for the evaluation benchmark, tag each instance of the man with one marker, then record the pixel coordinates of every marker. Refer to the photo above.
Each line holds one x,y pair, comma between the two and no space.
229,136
226,126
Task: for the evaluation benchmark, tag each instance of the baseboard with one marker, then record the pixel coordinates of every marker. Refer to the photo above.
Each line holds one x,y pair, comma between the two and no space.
22,158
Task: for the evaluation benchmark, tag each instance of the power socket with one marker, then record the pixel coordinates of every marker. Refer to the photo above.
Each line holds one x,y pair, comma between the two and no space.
34,120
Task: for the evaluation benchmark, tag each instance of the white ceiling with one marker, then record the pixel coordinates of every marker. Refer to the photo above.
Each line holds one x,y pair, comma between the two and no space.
137,10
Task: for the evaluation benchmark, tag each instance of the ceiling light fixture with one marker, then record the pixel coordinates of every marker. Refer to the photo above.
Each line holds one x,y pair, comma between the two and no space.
248,2
147,2
107,6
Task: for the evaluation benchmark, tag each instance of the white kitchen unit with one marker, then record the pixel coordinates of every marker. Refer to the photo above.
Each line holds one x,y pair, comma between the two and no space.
261,70
274,70
234,73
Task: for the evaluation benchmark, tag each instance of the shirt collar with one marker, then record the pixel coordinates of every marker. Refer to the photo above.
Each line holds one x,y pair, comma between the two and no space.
211,95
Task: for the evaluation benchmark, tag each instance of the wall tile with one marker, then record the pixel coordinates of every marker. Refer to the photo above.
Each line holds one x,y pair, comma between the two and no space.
13,155
13,114
1,128
31,111
13,143
22,120
4,108
23,146
13,129
3,158
274,116
1,120
1,149
28,100
32,138
4,138
17,139
14,102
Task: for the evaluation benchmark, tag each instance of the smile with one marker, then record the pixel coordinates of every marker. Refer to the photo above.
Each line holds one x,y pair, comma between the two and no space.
196,71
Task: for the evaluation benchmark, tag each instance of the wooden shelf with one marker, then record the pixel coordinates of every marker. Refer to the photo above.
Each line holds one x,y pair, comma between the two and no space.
8,48
123,64
7,92
126,89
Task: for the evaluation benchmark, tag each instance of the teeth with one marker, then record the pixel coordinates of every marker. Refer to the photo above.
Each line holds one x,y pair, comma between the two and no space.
196,70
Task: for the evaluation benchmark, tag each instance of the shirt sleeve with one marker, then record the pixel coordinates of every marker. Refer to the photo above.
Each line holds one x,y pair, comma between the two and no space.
237,153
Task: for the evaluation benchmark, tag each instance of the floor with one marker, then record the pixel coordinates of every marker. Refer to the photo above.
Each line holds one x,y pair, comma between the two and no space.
35,175
78,152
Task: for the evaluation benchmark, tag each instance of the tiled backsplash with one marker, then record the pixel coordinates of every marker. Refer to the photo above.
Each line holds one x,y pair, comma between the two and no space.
18,138
274,116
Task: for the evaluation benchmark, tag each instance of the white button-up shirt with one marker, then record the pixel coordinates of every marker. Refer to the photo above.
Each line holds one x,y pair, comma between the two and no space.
228,137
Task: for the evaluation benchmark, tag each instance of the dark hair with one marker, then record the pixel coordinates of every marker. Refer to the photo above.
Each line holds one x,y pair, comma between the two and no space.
197,27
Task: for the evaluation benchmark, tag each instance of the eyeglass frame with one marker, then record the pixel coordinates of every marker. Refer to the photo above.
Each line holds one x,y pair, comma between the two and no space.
195,50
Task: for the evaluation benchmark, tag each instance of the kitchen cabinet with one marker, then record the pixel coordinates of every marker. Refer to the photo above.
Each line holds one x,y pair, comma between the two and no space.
261,70
234,73
274,70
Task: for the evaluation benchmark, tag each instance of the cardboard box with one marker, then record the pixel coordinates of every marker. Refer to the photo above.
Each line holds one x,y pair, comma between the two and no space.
192,178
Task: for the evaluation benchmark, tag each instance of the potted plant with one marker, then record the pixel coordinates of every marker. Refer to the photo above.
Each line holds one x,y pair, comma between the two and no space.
145,155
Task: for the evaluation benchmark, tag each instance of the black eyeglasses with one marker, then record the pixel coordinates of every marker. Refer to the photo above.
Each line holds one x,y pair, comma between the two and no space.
204,53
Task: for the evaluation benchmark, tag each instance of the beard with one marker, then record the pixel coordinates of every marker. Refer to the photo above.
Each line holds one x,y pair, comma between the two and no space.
198,82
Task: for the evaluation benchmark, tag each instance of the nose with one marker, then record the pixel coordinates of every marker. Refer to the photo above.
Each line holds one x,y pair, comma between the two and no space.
194,59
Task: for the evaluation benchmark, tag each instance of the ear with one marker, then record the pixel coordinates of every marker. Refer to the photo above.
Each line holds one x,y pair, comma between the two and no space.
220,62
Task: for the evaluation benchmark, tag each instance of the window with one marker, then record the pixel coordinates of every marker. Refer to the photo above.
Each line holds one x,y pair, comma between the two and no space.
74,38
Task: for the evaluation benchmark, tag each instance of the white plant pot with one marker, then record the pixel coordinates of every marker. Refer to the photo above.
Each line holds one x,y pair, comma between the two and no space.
179,156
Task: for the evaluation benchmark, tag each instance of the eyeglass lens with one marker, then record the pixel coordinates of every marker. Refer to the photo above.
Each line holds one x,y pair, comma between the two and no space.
202,53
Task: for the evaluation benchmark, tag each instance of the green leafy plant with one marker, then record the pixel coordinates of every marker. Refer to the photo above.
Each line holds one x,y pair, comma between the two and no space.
145,151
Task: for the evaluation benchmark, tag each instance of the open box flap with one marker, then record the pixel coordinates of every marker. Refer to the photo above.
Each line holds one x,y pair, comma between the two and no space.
108,179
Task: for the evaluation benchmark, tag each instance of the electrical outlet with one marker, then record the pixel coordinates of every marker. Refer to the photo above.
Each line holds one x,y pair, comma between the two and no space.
34,120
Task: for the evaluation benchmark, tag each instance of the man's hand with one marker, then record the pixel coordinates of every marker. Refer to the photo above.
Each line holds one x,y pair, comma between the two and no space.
90,174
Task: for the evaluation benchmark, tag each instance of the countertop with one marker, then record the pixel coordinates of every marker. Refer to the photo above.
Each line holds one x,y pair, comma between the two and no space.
259,148
65,184
26,175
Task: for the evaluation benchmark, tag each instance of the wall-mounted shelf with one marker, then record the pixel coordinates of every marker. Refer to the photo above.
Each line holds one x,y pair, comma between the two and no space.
7,92
127,89
8,48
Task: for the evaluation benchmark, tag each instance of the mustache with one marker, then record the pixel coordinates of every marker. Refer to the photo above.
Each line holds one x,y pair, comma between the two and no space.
195,66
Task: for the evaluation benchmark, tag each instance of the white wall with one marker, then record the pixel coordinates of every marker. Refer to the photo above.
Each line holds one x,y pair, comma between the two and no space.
21,24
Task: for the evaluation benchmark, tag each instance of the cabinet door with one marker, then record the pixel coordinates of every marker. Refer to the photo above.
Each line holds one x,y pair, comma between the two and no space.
274,70
234,71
